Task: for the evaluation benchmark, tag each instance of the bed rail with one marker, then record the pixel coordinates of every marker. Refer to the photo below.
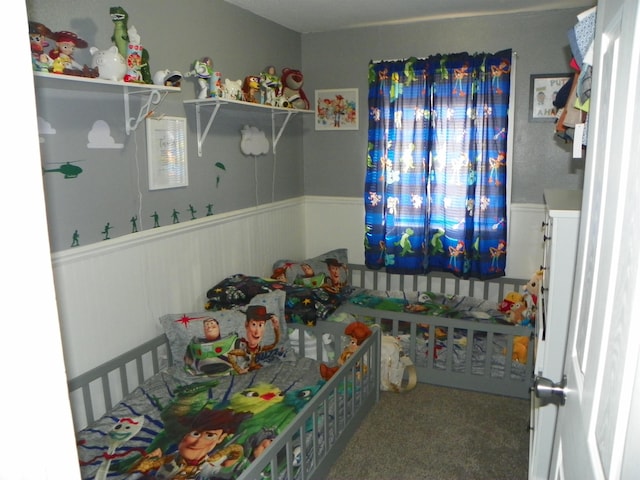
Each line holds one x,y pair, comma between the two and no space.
491,371
313,441
96,391
443,282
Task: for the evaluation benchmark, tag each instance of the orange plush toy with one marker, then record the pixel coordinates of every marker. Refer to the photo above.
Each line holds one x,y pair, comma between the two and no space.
358,332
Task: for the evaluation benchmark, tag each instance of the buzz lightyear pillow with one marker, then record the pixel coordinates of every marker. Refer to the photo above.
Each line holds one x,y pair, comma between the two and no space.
235,341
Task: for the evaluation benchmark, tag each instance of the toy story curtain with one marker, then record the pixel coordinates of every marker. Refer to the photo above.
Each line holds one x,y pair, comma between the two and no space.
435,188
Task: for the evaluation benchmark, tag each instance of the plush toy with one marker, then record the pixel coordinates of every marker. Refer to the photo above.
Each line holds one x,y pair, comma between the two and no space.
508,301
533,287
251,89
358,332
520,348
292,81
518,314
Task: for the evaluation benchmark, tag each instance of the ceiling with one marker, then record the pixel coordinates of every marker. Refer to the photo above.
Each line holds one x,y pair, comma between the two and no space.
308,16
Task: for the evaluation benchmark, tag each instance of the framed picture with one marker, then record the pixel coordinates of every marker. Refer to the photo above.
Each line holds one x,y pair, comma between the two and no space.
337,109
167,152
542,93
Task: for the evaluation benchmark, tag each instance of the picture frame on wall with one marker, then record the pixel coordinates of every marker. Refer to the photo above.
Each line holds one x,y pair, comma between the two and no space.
167,152
542,93
336,109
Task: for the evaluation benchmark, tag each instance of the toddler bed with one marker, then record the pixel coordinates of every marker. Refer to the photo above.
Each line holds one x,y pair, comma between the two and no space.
450,327
153,413
456,337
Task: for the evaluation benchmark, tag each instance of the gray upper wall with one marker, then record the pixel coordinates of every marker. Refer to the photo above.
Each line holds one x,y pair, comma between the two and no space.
335,161
113,186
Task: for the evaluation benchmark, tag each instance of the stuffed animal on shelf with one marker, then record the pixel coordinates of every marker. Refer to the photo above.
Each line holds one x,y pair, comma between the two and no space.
292,81
358,332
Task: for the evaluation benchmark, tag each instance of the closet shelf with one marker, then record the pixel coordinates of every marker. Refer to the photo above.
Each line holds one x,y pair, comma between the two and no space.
212,105
153,94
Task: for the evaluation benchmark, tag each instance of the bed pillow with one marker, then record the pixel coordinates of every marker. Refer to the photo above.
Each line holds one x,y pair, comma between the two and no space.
329,270
217,343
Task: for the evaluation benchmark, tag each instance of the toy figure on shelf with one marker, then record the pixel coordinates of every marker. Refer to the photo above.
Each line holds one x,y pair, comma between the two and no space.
134,57
292,81
358,332
120,36
232,89
130,47
38,33
203,71
269,86
62,54
251,89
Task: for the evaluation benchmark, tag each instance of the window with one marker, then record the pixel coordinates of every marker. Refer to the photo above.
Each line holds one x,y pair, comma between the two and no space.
435,188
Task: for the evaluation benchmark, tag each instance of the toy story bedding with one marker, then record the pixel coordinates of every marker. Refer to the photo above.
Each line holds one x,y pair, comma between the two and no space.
449,340
314,288
234,386
177,426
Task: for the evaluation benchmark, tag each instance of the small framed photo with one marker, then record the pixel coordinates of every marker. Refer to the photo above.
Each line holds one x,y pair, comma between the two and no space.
337,109
167,152
542,93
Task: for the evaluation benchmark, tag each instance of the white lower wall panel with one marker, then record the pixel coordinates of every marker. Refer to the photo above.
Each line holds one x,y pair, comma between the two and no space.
111,294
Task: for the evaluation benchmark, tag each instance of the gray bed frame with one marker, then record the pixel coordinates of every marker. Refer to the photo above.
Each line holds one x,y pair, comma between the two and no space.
332,415
444,282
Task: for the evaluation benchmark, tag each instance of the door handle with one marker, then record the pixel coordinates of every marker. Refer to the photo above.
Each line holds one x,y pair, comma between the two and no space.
550,392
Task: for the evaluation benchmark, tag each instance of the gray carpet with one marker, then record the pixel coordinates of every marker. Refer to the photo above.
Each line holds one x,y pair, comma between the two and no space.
439,433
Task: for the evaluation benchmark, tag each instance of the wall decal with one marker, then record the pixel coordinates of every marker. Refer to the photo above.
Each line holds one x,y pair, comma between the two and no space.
67,169
156,219
106,230
44,127
75,239
100,136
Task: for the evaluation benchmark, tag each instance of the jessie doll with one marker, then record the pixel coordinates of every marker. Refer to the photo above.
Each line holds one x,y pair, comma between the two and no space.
62,53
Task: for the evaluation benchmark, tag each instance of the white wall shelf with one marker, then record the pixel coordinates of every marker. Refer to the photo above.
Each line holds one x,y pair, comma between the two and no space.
153,94
212,105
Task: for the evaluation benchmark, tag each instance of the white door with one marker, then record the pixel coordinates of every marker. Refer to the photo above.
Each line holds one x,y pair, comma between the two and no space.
597,430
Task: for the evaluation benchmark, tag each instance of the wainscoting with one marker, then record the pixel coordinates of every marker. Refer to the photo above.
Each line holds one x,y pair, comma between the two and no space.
111,294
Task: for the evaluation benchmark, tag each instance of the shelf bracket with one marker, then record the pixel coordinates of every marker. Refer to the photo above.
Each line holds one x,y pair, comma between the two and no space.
154,98
202,135
275,138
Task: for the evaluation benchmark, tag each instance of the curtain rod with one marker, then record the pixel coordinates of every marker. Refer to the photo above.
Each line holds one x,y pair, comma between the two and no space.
513,53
